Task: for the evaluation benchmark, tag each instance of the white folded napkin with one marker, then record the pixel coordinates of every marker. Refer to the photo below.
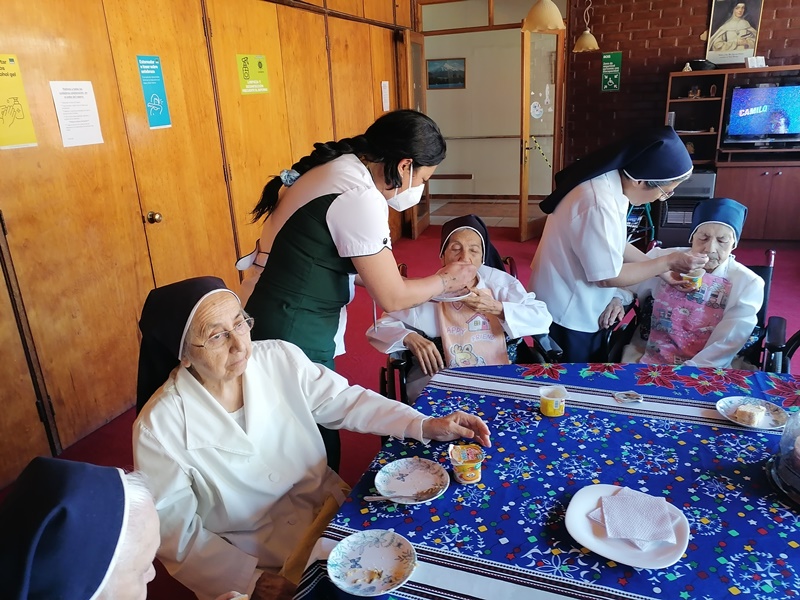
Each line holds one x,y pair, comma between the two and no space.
641,519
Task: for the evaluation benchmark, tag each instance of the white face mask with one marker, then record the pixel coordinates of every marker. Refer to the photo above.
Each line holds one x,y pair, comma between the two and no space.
407,198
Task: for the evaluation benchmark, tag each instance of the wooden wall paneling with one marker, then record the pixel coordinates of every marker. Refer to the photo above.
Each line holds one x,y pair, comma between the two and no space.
306,79
352,84
783,213
320,3
402,12
379,10
74,225
179,169
384,68
255,127
22,434
349,7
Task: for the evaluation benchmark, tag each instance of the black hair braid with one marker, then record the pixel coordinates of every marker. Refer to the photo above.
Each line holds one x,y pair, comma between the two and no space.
396,136
323,153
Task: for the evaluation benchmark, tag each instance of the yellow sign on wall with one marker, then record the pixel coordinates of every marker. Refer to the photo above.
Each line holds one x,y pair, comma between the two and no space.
253,77
16,124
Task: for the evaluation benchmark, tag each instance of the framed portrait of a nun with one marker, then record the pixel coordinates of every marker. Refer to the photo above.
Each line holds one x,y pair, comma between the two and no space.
734,30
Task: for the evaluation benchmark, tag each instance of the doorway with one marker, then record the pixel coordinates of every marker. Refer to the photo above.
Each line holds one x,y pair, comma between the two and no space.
491,133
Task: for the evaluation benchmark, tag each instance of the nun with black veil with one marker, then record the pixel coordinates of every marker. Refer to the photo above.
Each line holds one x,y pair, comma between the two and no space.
228,437
584,252
480,328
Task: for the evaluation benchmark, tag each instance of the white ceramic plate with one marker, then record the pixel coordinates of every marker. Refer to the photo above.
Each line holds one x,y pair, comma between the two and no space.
774,418
592,535
412,480
452,296
372,562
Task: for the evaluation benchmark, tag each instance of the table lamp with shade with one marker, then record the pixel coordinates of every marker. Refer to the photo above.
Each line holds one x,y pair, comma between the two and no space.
783,468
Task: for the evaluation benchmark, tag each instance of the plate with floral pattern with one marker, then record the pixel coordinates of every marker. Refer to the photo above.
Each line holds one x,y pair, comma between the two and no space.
412,480
372,562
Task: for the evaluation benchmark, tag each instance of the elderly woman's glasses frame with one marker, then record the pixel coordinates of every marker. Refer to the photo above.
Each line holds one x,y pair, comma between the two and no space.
665,195
218,339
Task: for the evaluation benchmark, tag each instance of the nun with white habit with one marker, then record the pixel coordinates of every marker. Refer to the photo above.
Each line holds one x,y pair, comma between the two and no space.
584,254
708,324
228,439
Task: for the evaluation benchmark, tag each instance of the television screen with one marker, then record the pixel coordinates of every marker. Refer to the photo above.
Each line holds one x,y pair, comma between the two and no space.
764,114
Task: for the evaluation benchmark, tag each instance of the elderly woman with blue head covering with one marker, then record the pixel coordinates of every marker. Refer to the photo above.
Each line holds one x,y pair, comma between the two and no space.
76,531
229,441
495,308
584,253
706,321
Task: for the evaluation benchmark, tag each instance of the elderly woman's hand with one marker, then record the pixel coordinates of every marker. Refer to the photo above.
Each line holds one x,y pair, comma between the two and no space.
481,300
457,425
426,353
271,586
612,314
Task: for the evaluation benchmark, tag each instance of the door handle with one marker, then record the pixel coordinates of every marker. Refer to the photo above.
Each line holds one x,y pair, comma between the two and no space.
154,217
779,173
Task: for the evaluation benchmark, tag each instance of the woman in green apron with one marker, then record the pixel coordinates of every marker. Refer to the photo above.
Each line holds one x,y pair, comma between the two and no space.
326,227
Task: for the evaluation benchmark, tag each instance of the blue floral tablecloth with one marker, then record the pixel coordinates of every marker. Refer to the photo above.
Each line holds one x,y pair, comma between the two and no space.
505,537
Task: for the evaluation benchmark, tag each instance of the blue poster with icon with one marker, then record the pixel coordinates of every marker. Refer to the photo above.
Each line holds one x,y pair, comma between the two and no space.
155,95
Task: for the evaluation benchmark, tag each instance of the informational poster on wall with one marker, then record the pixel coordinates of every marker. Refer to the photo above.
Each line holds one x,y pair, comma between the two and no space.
155,94
16,125
252,73
76,108
610,73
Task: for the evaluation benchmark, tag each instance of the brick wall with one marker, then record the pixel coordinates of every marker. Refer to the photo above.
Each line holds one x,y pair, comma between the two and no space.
655,38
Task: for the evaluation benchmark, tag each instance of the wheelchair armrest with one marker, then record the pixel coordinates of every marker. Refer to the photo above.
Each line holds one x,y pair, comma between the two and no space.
775,339
399,359
547,347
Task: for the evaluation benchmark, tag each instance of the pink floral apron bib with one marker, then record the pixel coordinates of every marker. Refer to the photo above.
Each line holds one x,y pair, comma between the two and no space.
470,338
682,323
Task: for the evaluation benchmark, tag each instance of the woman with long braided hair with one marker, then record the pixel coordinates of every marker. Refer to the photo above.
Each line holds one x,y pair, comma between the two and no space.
326,227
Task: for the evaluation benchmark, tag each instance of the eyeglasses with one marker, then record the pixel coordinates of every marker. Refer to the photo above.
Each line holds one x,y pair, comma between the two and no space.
665,195
218,339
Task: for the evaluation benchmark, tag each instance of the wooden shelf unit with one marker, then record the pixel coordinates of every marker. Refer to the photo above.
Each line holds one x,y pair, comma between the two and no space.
765,180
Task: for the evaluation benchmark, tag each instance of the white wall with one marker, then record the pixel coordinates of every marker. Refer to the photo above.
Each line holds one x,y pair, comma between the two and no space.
490,103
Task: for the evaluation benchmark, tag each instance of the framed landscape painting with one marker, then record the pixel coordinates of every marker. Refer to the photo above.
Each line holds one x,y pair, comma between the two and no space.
447,74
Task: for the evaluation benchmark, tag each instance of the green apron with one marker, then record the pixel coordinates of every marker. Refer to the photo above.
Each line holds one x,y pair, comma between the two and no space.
304,285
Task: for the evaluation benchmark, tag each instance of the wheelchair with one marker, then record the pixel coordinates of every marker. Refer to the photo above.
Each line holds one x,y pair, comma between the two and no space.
767,349
394,376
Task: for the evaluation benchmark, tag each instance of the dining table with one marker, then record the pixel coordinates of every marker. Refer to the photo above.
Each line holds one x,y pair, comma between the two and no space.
505,537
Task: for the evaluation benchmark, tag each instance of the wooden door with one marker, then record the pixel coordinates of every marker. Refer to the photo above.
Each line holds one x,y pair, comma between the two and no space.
384,75
751,187
306,79
350,7
402,13
379,10
74,224
22,434
350,49
542,58
783,216
411,80
179,169
255,126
